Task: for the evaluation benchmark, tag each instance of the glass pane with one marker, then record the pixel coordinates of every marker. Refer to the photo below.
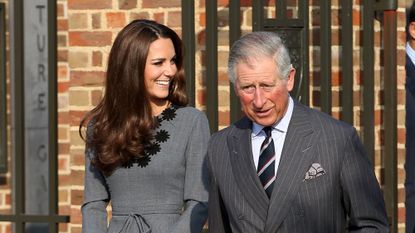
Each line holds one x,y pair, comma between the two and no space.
5,227
292,9
269,8
36,228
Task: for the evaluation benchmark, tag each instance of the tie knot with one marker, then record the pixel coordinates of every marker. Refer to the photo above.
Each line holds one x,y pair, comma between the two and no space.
268,130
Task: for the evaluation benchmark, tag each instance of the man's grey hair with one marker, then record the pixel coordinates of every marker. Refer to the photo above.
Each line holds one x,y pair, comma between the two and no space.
255,46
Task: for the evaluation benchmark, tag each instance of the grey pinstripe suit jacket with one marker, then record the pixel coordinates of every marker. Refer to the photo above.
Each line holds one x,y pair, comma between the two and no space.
346,198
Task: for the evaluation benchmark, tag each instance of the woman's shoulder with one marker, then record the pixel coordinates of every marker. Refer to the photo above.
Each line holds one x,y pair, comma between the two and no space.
190,112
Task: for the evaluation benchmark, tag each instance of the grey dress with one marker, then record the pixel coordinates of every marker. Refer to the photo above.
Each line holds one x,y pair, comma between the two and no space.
167,194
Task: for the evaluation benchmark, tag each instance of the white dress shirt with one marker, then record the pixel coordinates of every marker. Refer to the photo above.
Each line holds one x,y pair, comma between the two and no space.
279,131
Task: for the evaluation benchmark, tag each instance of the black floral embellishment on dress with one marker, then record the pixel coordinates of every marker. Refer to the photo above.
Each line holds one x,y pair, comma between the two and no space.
142,162
153,148
169,113
158,122
162,136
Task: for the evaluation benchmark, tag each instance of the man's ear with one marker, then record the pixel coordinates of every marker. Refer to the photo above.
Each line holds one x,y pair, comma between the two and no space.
411,30
290,79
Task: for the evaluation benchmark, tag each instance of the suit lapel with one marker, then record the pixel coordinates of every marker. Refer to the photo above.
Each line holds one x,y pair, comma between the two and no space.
244,169
296,158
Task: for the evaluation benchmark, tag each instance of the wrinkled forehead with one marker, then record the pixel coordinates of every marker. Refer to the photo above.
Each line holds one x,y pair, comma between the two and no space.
255,61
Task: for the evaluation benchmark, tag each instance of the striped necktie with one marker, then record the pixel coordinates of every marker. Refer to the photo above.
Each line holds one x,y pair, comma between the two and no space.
266,162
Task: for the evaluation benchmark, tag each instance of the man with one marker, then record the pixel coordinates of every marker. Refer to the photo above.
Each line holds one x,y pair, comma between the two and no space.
307,173
410,122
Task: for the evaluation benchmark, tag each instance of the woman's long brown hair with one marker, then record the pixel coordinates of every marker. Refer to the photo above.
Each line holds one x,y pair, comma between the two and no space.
122,123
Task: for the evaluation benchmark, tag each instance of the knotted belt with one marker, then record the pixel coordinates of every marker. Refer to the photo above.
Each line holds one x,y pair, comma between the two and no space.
136,222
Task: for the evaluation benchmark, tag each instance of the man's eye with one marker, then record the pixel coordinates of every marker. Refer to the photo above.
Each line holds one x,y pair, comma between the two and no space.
248,89
267,87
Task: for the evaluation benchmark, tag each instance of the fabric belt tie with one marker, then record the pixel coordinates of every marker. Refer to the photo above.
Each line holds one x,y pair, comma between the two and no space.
135,223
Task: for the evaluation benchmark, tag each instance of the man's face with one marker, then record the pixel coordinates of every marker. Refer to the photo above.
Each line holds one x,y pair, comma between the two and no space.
263,94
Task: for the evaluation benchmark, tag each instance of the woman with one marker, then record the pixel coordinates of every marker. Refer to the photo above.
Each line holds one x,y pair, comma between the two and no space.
145,149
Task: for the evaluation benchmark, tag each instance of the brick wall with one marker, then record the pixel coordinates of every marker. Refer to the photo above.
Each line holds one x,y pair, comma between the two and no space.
86,30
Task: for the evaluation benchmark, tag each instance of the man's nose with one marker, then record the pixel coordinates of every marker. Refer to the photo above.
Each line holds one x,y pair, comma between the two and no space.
259,98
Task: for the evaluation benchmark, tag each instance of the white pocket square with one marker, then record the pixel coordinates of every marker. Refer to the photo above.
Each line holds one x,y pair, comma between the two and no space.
314,171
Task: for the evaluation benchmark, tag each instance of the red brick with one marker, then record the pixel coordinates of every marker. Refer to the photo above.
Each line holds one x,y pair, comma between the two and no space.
335,98
63,164
62,24
96,97
335,115
78,38
401,136
89,4
87,78
7,199
76,117
96,21
378,117
63,227
60,8
96,58
356,17
64,210
63,87
62,55
63,148
202,19
62,72
174,19
115,20
63,118
76,216
77,197
160,3
335,78
223,78
201,97
401,214
78,159
127,4
140,15
76,229
159,17
76,178
224,118
62,40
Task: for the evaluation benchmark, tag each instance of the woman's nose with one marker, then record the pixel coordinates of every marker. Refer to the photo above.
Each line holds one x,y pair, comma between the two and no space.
170,70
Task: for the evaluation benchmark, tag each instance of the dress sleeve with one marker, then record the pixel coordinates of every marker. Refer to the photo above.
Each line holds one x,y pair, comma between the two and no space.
96,197
362,197
196,179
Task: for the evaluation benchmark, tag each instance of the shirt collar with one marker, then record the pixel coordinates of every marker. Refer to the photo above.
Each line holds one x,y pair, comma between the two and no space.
281,125
410,52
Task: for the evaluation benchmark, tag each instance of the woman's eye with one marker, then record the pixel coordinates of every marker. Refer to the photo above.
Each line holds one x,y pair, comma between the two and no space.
173,60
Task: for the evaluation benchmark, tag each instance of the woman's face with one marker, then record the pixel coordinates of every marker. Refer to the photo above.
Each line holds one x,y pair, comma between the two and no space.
159,71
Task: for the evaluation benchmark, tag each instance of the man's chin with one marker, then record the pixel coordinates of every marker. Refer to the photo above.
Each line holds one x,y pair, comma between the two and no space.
264,121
